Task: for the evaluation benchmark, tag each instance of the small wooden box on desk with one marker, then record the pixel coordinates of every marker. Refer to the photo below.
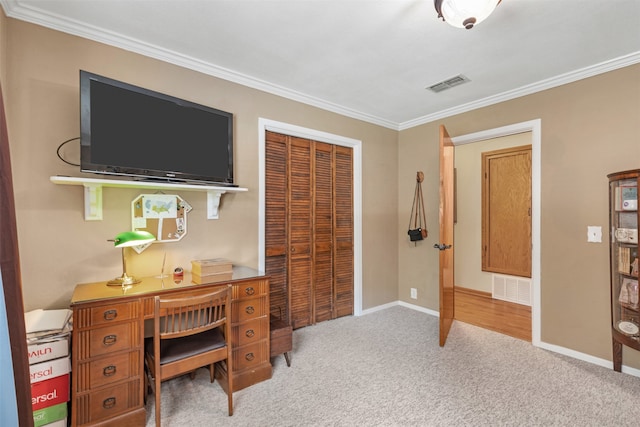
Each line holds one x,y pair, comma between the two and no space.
108,342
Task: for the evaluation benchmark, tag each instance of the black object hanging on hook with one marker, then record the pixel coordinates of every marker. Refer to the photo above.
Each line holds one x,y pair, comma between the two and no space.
417,219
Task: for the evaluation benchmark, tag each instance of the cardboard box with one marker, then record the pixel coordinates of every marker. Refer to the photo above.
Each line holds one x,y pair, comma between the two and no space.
206,267
50,392
49,369
211,278
47,351
50,414
60,423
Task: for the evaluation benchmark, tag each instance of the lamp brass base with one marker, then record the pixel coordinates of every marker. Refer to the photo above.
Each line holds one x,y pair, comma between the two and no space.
123,281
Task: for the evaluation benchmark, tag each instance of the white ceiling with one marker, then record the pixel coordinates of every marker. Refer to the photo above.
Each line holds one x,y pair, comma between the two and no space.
367,59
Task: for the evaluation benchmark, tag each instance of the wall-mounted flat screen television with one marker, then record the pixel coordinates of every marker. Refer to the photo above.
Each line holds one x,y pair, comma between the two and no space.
135,132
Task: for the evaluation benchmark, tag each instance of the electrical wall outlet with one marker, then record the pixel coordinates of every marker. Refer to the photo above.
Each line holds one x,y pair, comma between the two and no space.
414,293
594,234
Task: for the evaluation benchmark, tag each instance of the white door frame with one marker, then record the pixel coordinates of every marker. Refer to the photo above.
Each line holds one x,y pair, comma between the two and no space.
265,125
535,127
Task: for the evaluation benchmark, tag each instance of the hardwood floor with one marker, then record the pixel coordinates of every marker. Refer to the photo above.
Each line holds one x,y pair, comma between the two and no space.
480,309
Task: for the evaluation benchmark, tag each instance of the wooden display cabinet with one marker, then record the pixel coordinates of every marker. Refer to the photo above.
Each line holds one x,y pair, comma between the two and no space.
623,238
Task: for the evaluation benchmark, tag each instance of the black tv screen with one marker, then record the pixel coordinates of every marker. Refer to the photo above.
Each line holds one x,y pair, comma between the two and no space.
131,131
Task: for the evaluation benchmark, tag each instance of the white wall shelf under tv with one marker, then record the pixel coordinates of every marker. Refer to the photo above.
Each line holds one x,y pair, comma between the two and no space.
93,192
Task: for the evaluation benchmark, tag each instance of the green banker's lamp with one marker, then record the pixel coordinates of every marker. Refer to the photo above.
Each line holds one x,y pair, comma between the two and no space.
125,240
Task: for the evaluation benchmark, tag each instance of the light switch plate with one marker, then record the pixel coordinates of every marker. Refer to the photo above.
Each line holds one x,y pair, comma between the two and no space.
594,234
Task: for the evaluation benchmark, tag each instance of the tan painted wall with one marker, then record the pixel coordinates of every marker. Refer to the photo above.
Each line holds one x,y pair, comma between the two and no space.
59,249
589,128
468,228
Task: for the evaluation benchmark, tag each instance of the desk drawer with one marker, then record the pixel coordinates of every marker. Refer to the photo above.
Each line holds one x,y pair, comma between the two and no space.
108,402
111,369
111,339
250,356
104,314
249,332
250,289
247,309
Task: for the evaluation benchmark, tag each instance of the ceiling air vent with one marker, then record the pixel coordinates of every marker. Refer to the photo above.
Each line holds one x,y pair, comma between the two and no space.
449,83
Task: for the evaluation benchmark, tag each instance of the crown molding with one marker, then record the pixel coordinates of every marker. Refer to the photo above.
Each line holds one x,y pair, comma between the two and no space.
550,83
35,16
15,10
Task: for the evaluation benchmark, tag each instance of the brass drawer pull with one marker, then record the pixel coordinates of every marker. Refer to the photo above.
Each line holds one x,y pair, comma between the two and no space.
110,314
250,333
249,356
249,309
109,340
109,403
109,371
250,290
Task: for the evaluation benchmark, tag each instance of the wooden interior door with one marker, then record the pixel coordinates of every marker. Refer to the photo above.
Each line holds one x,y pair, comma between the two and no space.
446,234
309,229
506,211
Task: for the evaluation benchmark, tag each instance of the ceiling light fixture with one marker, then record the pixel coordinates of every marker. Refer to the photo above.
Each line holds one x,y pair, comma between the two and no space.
464,13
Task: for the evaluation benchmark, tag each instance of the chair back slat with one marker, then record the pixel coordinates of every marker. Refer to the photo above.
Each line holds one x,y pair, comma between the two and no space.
181,317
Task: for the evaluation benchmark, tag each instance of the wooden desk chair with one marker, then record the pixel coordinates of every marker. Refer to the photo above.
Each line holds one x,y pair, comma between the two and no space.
189,333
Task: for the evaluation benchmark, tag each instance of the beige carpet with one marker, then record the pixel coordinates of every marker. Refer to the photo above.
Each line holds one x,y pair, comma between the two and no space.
386,369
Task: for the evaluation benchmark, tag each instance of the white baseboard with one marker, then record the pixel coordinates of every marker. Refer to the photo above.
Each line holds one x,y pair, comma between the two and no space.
587,358
545,346
418,308
401,303
379,307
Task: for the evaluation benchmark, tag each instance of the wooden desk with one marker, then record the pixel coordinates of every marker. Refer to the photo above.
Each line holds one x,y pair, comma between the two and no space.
108,342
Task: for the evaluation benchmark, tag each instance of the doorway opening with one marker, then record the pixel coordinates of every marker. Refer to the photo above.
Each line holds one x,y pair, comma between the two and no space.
532,130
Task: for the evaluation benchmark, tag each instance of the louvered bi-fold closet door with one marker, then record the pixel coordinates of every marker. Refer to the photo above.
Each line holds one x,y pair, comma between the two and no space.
309,229
343,232
276,245
288,228
323,216
300,229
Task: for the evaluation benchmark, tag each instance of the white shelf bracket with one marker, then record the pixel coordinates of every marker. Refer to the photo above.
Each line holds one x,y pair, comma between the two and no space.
93,192
213,203
92,202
